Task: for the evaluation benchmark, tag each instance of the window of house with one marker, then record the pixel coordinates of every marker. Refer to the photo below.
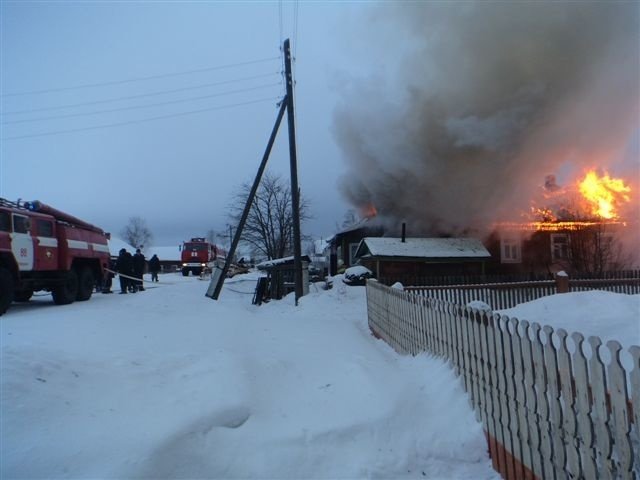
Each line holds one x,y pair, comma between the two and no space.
21,224
559,247
511,249
45,228
353,247
5,222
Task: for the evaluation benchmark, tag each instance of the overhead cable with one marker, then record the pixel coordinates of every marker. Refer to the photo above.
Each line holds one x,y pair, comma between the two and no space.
142,95
137,107
138,79
132,122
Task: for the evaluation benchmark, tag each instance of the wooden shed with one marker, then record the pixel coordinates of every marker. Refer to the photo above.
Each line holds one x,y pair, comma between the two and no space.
281,276
397,259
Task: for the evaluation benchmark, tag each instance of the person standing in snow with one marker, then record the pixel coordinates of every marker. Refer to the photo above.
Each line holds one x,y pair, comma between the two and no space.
108,276
124,267
154,267
139,263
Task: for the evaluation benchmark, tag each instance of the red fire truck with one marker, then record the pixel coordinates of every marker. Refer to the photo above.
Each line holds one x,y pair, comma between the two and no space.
42,248
199,256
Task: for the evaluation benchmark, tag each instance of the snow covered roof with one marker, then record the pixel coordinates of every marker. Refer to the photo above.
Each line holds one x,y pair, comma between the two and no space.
280,261
116,244
167,254
422,248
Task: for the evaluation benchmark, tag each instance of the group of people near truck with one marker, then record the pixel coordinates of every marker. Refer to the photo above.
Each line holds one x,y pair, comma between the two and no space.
130,269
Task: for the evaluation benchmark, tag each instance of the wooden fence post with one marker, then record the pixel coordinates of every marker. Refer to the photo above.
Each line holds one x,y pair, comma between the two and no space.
562,282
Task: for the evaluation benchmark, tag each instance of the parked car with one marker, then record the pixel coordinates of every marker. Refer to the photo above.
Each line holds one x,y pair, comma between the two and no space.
357,275
315,274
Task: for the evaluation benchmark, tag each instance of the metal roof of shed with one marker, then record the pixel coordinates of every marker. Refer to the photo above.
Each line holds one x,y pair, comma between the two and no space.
422,248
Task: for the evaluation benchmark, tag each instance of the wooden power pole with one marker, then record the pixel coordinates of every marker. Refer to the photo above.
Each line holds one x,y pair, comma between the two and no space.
293,160
219,274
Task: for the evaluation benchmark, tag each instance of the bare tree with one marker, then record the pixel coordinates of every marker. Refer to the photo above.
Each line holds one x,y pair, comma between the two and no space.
136,232
594,250
269,226
211,236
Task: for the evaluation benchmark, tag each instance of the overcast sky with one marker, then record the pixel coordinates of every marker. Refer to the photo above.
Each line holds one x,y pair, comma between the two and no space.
179,172
447,115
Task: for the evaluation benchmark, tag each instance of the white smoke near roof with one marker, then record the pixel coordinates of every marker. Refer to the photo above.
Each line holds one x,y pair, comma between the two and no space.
486,100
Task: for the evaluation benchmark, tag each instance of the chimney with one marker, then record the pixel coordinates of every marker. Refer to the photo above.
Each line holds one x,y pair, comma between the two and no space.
404,231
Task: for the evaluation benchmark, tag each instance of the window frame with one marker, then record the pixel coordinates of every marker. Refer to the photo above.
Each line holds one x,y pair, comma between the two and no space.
510,248
8,223
26,224
556,246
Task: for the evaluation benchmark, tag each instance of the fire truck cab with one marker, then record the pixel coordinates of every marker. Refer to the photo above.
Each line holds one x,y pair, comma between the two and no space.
42,248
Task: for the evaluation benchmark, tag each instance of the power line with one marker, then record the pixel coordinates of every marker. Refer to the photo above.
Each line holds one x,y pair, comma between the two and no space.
136,107
138,79
132,122
142,95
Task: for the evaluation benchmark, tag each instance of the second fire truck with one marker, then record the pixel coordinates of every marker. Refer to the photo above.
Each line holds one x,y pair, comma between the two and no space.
199,256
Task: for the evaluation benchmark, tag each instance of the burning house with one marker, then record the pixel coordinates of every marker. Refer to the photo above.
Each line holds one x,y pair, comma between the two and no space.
477,104
342,245
580,229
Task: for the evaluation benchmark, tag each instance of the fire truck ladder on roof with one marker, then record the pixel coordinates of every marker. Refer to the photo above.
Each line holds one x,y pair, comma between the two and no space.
8,203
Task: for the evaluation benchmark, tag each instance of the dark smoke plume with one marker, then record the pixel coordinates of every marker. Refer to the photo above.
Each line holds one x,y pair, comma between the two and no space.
486,100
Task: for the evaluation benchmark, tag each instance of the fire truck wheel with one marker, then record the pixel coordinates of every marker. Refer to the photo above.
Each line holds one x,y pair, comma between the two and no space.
68,291
23,295
6,290
185,272
196,271
86,282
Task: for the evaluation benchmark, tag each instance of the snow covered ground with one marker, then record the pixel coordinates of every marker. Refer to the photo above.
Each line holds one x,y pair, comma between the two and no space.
167,383
610,316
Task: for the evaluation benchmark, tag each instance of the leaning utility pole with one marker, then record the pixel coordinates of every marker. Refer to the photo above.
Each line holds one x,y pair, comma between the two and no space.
219,274
293,160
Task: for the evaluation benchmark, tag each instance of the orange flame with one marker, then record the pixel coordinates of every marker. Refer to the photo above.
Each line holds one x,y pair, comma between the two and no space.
604,194
368,211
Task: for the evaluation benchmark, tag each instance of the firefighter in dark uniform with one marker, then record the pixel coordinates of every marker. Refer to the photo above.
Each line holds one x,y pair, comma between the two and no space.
154,267
139,263
124,266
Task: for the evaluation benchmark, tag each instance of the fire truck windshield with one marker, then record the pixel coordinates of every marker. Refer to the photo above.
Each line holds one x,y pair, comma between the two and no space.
195,246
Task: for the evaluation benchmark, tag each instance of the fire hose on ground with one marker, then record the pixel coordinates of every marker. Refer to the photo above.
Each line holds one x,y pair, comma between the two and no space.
137,279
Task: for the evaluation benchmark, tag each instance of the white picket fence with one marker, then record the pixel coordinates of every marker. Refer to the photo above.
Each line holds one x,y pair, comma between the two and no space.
550,410
507,295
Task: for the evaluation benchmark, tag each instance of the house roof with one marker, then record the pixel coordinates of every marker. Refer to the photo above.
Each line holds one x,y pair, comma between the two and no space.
165,254
280,261
116,244
366,223
422,248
